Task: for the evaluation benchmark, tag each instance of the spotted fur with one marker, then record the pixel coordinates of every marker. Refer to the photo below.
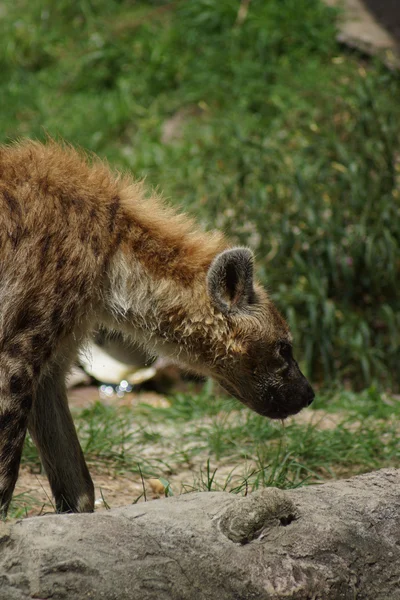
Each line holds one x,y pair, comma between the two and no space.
80,247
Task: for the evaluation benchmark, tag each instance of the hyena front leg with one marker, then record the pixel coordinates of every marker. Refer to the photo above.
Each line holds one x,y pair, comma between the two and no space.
53,431
16,399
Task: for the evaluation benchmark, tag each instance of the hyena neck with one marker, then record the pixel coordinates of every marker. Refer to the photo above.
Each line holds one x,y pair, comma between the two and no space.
162,314
156,288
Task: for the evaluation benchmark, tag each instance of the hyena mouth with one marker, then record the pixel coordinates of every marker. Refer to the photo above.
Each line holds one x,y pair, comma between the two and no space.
280,405
273,411
272,404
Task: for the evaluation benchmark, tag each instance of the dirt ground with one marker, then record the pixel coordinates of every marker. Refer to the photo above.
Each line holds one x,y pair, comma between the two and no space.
32,492
33,489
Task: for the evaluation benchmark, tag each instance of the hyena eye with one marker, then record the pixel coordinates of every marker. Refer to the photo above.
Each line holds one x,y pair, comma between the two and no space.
285,350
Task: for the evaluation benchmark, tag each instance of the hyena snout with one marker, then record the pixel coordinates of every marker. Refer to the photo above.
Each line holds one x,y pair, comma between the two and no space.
287,396
271,400
269,393
299,393
279,401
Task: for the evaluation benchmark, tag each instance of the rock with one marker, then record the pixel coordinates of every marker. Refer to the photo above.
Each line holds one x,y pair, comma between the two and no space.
335,541
358,28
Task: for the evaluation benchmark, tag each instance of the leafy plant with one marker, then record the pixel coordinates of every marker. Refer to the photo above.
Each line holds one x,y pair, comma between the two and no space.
283,140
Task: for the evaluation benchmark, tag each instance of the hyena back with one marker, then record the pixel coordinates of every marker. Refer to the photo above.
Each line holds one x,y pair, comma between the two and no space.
82,247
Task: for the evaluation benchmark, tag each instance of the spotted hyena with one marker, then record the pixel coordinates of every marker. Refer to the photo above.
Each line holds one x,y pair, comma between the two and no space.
82,247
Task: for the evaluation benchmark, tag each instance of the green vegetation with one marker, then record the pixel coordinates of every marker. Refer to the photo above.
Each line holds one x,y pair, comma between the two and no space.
253,118
279,136
205,443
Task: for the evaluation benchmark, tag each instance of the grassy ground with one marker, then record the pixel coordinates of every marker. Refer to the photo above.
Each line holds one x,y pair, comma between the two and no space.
196,441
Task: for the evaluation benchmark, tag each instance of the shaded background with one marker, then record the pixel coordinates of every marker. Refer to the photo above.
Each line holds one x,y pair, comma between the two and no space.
251,116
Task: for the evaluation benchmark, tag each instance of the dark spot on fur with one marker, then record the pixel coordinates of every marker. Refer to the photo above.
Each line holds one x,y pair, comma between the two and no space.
28,318
16,232
15,349
77,202
26,403
96,245
45,247
61,262
47,353
112,213
15,236
44,185
41,350
10,417
12,204
19,384
37,341
37,367
64,204
118,239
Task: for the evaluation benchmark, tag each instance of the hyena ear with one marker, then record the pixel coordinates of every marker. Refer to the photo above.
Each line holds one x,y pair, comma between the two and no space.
230,280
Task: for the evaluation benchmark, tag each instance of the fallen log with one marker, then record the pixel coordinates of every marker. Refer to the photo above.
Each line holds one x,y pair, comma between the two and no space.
340,540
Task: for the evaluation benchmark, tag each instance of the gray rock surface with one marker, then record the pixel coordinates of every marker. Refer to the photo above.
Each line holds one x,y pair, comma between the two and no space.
358,28
335,541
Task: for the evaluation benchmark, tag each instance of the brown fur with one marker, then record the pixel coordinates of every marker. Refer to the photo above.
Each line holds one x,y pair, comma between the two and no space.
81,246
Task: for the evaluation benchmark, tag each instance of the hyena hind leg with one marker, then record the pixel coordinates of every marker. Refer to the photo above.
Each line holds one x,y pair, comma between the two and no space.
16,399
53,431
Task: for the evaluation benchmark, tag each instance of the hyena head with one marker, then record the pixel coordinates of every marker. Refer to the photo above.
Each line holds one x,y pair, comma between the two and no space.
256,365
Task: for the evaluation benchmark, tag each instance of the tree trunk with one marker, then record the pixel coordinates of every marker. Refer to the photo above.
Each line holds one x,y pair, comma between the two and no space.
335,541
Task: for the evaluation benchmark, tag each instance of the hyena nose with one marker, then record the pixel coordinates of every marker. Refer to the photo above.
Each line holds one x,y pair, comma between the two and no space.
311,396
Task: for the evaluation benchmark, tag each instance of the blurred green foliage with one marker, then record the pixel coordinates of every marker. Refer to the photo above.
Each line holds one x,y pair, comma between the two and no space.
251,116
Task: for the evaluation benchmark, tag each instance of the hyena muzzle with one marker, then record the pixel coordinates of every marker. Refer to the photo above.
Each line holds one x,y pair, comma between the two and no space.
82,247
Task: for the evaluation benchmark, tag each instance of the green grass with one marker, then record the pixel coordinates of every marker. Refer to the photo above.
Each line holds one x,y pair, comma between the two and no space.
286,141
204,443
